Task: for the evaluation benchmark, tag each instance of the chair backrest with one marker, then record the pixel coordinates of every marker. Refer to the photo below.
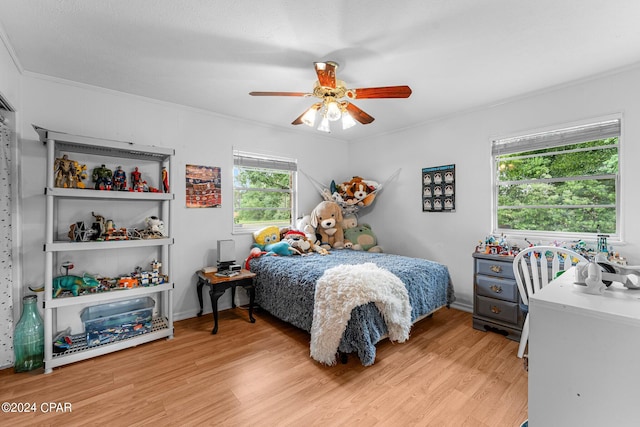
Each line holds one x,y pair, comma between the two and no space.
536,266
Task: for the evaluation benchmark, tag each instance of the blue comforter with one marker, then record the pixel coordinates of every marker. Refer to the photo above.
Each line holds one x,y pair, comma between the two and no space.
285,287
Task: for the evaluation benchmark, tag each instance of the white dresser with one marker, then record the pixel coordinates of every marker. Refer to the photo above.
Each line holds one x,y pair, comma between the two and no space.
584,356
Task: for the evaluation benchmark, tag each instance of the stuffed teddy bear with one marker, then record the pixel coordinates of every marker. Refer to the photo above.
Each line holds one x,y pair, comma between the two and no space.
363,238
326,217
349,221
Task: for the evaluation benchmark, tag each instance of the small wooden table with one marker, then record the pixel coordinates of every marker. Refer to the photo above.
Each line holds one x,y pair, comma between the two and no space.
219,284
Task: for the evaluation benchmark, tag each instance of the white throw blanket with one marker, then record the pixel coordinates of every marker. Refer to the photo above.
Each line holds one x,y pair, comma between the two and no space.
344,287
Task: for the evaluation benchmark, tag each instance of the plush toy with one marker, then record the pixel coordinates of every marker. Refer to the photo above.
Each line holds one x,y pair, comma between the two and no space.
349,221
363,194
363,238
282,248
326,217
266,236
253,253
268,239
299,241
304,224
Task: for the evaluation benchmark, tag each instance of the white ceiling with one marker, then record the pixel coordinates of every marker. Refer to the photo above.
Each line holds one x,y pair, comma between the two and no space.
456,55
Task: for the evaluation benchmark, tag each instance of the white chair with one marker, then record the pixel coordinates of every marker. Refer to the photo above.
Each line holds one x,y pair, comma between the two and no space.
532,276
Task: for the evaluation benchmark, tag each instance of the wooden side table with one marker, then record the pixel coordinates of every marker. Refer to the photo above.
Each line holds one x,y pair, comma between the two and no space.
219,284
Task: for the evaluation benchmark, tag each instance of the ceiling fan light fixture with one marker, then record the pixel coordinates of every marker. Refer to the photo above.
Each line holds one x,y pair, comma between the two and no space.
324,125
347,121
331,107
333,112
309,118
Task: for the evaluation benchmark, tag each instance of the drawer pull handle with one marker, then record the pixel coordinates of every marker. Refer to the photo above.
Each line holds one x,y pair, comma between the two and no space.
495,288
496,268
495,309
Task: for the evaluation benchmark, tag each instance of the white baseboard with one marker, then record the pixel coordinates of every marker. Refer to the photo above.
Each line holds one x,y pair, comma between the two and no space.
462,307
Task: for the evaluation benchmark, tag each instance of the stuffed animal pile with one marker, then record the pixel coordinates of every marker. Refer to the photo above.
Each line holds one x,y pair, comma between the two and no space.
357,191
326,228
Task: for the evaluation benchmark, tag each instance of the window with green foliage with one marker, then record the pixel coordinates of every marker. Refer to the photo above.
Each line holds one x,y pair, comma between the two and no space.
565,181
264,191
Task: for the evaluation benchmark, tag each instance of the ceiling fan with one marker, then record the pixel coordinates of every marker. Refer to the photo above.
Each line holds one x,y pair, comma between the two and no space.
334,99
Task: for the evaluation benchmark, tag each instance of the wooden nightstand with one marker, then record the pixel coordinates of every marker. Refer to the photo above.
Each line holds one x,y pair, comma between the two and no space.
218,285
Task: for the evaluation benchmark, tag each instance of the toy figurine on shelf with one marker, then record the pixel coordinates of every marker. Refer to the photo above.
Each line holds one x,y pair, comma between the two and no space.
165,180
102,176
80,173
64,172
136,178
99,226
119,179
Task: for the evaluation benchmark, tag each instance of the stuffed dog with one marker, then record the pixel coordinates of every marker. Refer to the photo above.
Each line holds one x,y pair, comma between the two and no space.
326,217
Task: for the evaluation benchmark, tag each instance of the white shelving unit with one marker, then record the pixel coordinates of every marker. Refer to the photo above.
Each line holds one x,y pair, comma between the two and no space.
59,143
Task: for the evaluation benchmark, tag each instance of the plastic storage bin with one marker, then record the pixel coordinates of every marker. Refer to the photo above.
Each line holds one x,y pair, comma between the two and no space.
106,323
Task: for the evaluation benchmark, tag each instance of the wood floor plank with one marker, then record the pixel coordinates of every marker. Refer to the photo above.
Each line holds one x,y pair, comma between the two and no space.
447,374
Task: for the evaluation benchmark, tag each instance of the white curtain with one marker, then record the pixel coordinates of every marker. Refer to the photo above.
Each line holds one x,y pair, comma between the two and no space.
6,281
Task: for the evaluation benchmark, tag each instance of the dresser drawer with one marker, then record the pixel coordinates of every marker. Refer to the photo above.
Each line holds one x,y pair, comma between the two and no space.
497,309
495,268
494,287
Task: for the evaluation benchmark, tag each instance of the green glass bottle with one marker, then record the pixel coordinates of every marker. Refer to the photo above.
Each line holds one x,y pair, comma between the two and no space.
28,337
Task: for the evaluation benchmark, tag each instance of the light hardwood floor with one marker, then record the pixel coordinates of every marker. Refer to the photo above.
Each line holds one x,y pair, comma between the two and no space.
447,374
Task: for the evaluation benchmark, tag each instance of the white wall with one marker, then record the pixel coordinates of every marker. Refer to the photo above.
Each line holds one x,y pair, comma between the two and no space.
198,138
464,140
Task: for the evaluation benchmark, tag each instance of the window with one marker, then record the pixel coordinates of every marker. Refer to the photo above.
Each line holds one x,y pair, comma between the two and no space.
264,191
564,181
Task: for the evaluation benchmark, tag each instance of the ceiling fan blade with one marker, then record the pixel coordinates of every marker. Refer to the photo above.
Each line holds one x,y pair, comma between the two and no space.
358,114
301,118
326,72
279,94
380,92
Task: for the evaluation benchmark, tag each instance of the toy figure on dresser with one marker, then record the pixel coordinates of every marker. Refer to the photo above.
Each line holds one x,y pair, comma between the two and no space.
165,180
136,178
102,176
119,179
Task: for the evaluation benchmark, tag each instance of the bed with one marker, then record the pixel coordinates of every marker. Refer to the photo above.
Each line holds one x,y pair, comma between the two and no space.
286,287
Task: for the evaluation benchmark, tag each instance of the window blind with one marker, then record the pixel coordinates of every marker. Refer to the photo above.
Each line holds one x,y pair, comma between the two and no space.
556,138
251,160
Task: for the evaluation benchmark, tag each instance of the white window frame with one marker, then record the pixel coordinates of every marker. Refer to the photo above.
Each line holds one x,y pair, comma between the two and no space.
260,161
594,129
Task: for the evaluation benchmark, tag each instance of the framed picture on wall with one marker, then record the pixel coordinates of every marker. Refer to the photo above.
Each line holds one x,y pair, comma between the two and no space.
203,187
439,189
